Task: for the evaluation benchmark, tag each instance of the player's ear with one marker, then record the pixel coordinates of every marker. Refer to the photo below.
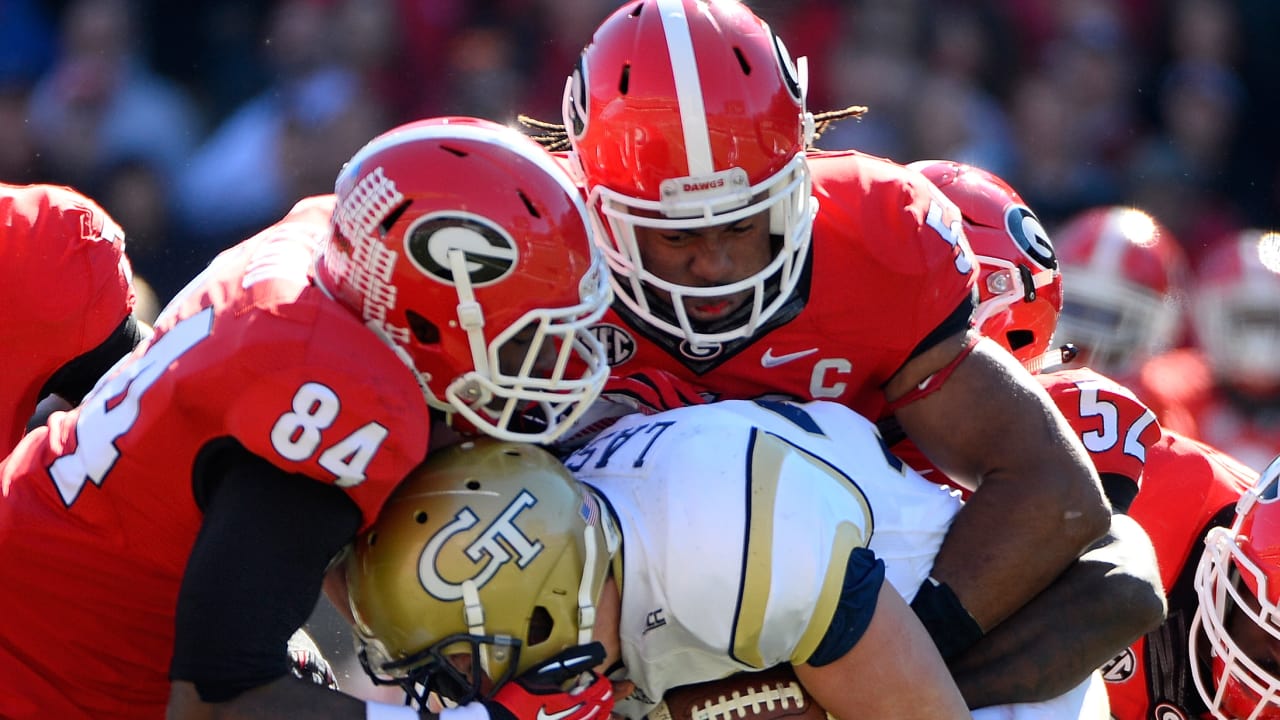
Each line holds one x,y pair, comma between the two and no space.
335,584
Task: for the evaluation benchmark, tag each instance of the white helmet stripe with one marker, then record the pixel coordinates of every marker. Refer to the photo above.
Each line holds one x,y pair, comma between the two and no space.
684,66
1113,240
507,139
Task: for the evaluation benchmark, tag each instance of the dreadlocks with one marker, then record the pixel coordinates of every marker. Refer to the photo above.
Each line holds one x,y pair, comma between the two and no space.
554,137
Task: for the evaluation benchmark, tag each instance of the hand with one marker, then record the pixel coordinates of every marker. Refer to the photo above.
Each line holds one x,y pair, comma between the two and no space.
540,694
308,663
652,391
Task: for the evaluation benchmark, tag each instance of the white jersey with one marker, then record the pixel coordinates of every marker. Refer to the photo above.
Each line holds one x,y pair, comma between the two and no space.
738,519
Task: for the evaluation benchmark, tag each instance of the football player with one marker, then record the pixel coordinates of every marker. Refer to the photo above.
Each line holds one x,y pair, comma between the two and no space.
1235,642
1188,487
1229,382
1126,305
748,262
68,296
160,543
696,543
1126,278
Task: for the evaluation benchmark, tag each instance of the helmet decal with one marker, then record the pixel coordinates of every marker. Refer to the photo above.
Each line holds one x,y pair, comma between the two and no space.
576,101
1025,229
790,75
494,547
489,252
1269,485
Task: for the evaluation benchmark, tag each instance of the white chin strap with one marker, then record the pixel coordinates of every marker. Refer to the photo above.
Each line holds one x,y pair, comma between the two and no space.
471,320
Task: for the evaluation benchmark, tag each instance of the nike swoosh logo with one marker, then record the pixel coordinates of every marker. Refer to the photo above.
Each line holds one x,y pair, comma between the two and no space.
544,715
770,360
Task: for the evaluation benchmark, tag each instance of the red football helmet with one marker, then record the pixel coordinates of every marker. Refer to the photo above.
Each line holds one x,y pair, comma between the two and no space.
1236,310
686,114
1020,287
464,245
1238,618
1125,276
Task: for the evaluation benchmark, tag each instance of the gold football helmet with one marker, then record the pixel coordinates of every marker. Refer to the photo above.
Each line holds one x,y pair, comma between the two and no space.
488,559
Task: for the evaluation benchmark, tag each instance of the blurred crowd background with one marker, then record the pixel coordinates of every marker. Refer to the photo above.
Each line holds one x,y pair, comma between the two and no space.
197,122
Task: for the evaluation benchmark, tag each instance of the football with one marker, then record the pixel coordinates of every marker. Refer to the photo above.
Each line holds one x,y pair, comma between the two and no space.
771,694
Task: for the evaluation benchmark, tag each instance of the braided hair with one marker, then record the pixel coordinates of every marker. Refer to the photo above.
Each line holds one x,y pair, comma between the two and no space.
554,137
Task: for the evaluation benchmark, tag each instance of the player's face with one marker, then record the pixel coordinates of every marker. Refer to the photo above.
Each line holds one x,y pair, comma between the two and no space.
512,354
462,663
1261,646
706,257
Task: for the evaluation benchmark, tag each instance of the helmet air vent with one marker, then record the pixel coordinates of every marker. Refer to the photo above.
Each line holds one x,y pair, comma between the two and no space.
533,210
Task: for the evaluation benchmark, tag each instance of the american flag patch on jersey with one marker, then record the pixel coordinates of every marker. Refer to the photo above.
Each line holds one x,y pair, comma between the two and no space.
589,511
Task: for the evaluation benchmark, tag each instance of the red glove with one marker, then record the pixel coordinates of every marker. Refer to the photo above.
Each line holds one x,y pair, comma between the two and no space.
540,693
652,391
644,391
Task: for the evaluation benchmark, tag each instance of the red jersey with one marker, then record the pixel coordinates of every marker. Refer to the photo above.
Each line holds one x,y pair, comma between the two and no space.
884,274
1113,424
97,516
1189,488
66,287
1170,383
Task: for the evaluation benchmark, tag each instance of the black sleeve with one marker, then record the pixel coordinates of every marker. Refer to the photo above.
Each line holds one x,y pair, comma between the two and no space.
1168,657
863,578
958,321
1120,490
255,572
76,378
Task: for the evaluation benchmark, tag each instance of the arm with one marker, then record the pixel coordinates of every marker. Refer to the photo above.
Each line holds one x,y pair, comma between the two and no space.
251,581
253,577
991,426
1062,635
894,671
71,382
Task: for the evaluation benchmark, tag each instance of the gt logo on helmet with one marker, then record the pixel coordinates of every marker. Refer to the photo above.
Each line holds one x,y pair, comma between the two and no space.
489,252
493,547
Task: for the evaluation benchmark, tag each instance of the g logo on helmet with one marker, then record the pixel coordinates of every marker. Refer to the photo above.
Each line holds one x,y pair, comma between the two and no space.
488,251
1025,229
493,548
576,98
790,75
